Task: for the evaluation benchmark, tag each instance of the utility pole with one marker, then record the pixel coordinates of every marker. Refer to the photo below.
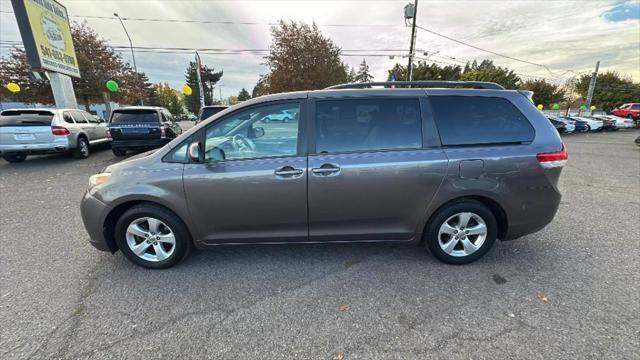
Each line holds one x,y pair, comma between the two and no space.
413,39
592,85
133,57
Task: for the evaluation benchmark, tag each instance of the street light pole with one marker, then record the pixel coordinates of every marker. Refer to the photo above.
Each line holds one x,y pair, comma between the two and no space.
133,56
413,40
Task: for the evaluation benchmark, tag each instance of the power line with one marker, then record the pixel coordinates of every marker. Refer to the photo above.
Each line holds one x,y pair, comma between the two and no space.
490,51
219,22
226,51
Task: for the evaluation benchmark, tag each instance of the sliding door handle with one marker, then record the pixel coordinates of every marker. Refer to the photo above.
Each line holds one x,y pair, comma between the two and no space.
288,171
326,169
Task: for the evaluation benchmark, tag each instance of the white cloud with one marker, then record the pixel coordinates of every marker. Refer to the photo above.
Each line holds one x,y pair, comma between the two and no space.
561,35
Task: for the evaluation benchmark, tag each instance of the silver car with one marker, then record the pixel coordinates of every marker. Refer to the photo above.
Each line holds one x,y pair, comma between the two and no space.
26,132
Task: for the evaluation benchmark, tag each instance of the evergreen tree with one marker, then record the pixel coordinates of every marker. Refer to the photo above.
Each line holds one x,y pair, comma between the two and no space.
209,80
243,95
352,77
363,75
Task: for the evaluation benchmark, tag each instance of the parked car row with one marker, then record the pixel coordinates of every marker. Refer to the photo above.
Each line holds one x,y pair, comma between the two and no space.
572,123
25,132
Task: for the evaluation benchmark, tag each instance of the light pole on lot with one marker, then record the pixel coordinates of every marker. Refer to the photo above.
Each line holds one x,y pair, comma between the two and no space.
133,56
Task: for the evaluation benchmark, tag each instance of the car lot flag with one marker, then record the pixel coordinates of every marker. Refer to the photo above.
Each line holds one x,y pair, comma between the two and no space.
199,76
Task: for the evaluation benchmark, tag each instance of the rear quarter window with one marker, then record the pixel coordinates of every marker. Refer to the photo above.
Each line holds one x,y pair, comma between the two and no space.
25,118
472,120
134,116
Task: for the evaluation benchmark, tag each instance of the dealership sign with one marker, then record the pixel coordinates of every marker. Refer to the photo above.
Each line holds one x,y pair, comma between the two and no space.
46,35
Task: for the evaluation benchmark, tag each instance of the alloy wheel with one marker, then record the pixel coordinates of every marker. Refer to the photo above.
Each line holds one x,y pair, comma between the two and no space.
84,148
462,234
150,239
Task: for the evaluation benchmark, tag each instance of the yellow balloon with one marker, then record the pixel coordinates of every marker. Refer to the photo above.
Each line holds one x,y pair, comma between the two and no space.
13,87
187,90
540,107
593,107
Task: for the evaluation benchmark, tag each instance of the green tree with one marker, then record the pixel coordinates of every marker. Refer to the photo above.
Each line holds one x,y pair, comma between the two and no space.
351,76
97,62
363,75
244,95
487,71
209,79
15,68
611,91
300,58
165,96
544,92
424,71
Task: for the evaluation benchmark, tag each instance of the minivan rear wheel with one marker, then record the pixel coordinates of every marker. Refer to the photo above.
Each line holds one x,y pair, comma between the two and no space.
152,237
14,158
118,152
461,232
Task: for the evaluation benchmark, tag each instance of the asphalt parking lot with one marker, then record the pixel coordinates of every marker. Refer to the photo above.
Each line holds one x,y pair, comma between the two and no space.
568,291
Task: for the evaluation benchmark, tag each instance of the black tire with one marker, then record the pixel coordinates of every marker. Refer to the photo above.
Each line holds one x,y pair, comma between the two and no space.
82,150
437,220
286,120
630,116
183,244
588,128
14,158
266,120
118,152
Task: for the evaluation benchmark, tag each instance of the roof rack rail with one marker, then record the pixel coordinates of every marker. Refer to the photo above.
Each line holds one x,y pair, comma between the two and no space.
421,84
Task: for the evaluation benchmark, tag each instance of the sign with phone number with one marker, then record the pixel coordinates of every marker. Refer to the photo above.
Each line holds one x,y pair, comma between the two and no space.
46,34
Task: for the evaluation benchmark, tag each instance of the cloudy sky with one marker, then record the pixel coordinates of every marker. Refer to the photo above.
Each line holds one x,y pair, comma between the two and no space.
562,35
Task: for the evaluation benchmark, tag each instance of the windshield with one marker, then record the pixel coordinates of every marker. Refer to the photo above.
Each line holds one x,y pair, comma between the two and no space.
134,116
207,112
26,118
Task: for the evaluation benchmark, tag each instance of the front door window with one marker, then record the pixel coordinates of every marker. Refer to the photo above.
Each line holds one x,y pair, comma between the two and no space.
259,132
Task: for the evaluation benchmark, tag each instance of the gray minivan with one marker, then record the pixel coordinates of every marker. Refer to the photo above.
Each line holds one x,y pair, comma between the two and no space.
451,168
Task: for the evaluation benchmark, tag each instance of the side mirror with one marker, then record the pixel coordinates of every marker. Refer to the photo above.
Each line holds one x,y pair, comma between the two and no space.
194,152
258,132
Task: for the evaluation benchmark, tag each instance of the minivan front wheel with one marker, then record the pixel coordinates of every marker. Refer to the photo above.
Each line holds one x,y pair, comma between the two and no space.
152,237
461,232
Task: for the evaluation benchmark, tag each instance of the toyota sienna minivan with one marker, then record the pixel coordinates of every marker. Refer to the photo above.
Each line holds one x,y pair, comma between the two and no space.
449,165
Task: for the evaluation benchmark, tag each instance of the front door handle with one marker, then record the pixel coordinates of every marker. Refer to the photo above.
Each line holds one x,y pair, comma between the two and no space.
326,169
288,171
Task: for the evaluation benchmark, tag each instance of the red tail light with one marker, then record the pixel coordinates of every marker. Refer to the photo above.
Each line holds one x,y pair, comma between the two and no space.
59,130
554,159
108,134
163,132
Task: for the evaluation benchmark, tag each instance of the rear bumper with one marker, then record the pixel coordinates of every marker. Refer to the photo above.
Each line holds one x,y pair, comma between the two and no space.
138,144
94,214
537,216
58,145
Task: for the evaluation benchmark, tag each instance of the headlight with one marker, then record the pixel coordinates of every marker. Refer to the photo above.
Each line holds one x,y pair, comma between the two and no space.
98,179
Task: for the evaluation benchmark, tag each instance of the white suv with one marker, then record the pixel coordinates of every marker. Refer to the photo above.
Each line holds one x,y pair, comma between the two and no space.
26,132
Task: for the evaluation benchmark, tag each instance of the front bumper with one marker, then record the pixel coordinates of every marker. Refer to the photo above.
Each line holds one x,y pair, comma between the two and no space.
94,214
